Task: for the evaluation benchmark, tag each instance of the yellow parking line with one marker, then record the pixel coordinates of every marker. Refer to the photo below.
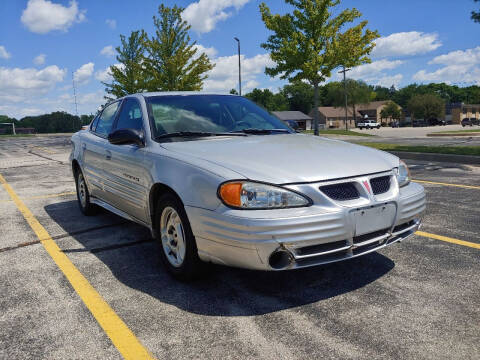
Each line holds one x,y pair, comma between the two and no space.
448,239
122,337
448,184
42,196
45,149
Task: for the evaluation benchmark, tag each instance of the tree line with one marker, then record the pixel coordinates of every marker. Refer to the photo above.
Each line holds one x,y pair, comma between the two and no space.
299,96
55,122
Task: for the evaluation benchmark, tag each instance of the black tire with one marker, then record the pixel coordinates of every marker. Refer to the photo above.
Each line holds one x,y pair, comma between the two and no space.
83,195
191,267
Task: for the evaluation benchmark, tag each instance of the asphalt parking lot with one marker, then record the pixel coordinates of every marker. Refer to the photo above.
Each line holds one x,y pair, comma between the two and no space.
417,299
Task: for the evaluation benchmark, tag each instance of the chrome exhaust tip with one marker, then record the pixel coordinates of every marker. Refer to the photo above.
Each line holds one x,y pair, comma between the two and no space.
280,259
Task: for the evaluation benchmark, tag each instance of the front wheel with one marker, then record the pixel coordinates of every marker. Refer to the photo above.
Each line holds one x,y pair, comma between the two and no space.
179,251
83,196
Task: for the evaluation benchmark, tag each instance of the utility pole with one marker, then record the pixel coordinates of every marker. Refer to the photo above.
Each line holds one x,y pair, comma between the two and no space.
239,69
75,100
345,90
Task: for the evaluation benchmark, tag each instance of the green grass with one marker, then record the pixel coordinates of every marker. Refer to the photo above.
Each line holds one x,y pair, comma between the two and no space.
457,131
338,132
455,150
15,136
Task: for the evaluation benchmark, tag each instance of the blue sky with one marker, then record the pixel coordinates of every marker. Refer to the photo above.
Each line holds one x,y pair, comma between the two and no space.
43,43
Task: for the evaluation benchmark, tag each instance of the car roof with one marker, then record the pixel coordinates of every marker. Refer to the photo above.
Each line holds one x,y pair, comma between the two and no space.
181,93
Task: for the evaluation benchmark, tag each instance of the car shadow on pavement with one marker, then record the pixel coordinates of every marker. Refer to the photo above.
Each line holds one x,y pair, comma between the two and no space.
132,256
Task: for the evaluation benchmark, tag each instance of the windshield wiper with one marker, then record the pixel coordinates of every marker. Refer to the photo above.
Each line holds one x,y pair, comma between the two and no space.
261,131
194,134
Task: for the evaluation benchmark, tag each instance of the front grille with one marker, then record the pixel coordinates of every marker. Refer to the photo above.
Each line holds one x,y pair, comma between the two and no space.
403,226
319,248
342,191
380,185
362,238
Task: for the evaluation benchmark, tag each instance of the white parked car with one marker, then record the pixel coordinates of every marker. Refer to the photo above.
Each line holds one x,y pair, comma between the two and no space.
218,179
368,124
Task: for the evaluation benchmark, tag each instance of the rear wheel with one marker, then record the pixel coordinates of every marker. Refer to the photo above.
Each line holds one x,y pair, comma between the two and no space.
179,251
83,196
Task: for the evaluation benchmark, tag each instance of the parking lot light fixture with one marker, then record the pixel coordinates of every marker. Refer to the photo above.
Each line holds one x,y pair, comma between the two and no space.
239,68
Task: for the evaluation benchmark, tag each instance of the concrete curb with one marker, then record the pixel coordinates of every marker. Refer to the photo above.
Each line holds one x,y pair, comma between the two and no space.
459,159
455,134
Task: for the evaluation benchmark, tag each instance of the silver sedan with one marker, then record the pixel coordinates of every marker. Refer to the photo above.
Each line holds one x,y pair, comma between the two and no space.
218,179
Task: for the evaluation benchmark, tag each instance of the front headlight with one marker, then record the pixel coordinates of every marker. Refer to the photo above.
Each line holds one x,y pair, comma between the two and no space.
403,174
252,195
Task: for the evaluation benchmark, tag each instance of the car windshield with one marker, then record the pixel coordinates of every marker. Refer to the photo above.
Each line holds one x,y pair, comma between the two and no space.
181,114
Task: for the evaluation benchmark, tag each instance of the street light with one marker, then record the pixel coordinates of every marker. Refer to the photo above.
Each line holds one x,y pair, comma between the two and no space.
239,69
345,90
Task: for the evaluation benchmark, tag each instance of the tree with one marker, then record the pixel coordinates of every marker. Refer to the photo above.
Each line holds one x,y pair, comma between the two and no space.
308,43
299,96
358,92
233,92
172,62
128,76
268,100
380,93
427,106
476,14
392,111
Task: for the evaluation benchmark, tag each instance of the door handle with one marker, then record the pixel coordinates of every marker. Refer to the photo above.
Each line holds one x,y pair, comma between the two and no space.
108,155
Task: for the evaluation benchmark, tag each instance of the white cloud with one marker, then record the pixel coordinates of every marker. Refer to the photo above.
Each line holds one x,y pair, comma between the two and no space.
459,57
108,51
43,16
37,105
18,84
112,24
105,75
40,59
224,75
4,54
389,80
83,73
203,15
406,44
461,66
211,51
374,73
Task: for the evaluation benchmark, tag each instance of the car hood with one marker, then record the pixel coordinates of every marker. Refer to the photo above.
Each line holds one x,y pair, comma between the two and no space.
291,158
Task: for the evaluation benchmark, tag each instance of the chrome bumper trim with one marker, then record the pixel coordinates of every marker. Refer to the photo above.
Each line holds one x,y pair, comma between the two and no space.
299,257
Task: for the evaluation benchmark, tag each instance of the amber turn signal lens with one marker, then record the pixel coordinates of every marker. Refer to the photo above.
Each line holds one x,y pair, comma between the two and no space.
230,193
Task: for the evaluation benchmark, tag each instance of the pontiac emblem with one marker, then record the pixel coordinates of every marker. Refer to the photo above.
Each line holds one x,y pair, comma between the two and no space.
367,186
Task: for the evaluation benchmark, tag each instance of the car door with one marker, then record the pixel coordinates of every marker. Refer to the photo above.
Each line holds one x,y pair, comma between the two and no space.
126,176
94,148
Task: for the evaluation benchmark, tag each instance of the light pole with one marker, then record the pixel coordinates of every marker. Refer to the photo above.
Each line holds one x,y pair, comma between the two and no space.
345,90
239,69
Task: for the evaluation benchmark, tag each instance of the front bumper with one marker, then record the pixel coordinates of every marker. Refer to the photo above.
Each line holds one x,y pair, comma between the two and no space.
307,237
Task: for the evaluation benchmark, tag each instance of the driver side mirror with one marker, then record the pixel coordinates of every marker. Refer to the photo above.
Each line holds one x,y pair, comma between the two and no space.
126,137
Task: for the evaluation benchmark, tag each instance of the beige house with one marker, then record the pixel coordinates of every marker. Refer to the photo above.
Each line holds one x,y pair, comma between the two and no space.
373,110
334,117
470,111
